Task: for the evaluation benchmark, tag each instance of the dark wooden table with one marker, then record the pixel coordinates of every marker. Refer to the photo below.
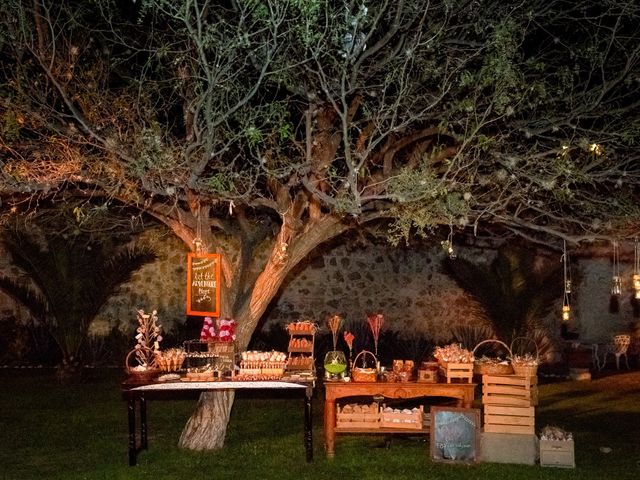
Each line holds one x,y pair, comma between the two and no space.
136,394
462,392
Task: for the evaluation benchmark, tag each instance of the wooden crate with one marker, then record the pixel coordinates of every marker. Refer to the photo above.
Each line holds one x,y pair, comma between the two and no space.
428,376
459,371
346,418
509,448
556,453
509,390
412,421
501,419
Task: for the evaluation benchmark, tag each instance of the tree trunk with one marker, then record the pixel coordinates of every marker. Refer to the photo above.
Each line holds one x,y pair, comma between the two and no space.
206,429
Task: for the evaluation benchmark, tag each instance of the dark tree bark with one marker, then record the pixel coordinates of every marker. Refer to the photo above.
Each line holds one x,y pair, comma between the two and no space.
206,429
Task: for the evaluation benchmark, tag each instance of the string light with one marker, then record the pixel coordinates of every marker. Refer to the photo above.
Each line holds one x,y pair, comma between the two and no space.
595,149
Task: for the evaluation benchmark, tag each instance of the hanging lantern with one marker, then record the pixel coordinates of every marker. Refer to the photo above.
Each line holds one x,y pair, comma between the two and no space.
566,308
616,285
616,280
635,279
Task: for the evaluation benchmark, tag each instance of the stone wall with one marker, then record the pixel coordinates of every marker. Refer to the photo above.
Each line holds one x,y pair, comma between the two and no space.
592,318
407,285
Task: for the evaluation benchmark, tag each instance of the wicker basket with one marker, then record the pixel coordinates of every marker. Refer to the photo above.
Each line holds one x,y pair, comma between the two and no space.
488,368
526,370
491,368
359,374
146,375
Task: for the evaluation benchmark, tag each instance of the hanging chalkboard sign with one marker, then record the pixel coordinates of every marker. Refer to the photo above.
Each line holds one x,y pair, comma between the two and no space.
455,434
203,284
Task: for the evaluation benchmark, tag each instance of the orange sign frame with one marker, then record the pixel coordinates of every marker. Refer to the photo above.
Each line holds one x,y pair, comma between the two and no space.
203,284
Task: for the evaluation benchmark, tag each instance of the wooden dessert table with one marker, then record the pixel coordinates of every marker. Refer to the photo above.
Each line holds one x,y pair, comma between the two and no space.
462,392
136,394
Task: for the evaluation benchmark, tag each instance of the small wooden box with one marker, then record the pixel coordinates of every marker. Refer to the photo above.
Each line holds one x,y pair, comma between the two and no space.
428,376
501,419
557,453
411,421
357,419
460,371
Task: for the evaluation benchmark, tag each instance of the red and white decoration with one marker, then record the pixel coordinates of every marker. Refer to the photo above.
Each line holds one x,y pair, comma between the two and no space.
222,329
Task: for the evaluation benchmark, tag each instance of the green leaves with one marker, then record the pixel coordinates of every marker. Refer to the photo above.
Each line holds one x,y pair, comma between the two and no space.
515,294
73,278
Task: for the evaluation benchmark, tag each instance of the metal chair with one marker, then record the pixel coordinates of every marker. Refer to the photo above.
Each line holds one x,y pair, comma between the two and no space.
618,347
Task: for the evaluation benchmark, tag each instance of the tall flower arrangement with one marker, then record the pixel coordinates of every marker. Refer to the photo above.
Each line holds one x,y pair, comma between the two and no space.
148,337
349,338
375,322
334,322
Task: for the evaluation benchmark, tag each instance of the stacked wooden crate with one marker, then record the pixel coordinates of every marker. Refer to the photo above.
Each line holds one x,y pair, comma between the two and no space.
462,372
509,403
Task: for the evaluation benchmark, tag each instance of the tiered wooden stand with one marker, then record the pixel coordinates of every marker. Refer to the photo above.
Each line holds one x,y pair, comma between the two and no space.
301,355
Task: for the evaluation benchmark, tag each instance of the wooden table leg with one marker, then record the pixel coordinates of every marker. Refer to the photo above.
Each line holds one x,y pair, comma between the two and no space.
131,415
143,423
329,427
308,424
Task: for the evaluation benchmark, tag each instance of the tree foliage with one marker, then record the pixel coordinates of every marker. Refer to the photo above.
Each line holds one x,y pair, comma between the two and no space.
71,280
516,294
484,114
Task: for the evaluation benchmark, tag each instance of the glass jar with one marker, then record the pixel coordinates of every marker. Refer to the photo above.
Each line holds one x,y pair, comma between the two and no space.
335,364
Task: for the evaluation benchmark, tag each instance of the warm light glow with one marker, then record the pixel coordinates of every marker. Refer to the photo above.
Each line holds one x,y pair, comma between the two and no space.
595,149
566,309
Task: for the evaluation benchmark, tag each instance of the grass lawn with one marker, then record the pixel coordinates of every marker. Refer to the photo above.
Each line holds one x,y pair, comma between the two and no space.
79,431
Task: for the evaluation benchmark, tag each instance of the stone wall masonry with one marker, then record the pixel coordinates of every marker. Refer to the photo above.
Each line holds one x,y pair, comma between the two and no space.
592,318
406,285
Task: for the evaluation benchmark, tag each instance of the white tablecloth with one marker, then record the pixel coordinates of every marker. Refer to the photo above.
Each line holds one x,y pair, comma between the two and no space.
218,386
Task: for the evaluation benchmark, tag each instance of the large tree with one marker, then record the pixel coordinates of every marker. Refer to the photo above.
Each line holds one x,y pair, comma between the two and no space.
264,128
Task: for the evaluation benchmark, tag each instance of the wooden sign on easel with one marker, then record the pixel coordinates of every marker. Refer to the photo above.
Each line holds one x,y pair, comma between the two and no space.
203,284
